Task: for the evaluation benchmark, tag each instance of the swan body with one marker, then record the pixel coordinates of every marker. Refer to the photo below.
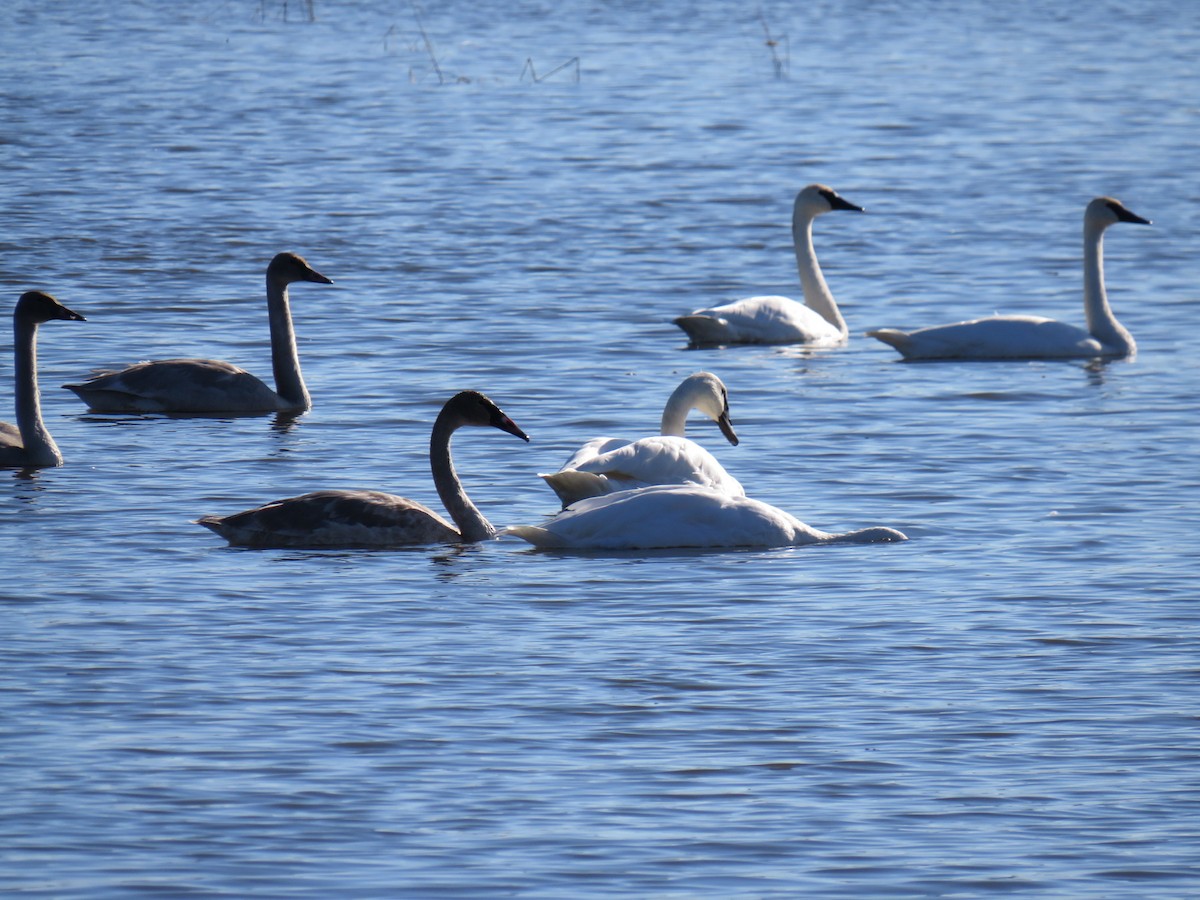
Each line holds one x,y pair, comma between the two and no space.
28,443
210,386
362,518
1035,337
605,465
780,320
681,516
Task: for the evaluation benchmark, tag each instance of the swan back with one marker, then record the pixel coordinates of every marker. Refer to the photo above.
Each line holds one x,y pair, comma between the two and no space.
683,516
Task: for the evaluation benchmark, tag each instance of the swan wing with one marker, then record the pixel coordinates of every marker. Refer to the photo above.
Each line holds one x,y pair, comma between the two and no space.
334,519
178,385
760,320
994,337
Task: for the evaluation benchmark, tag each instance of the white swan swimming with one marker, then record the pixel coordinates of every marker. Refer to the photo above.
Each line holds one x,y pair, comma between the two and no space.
28,443
200,386
605,465
357,518
780,320
670,516
1035,337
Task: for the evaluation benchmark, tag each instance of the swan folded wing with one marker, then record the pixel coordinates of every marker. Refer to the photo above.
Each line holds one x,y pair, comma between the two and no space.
663,459
760,320
334,519
592,449
178,385
994,337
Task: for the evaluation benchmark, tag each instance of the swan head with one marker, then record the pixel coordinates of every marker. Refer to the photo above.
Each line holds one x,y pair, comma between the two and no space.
1105,211
818,199
38,307
287,268
473,408
706,393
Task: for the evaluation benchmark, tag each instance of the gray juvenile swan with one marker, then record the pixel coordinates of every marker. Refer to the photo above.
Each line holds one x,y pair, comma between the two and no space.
209,386
28,443
604,465
1035,337
781,320
373,518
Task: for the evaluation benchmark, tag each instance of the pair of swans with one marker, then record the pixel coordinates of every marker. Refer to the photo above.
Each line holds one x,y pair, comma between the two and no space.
691,509
817,322
28,444
210,386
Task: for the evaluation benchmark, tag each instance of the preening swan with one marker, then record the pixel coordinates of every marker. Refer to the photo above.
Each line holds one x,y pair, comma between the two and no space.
373,518
668,516
209,385
1035,337
605,465
28,443
780,320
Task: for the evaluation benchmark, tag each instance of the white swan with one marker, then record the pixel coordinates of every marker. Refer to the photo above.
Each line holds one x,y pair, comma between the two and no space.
780,320
28,443
605,465
668,516
1035,337
339,518
209,385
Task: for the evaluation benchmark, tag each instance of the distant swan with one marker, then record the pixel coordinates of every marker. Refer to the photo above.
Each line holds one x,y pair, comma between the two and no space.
28,443
668,516
780,320
372,518
605,465
1035,337
209,385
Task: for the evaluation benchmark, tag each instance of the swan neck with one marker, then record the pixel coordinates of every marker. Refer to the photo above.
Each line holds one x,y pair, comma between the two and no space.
39,446
1101,323
472,525
817,295
674,417
285,359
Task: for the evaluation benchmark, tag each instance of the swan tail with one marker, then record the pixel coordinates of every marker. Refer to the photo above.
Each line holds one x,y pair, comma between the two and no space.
539,537
571,485
704,329
893,337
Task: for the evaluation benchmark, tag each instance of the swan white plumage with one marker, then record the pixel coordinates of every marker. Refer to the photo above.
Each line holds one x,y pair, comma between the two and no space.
780,320
1036,337
361,518
210,386
681,516
606,465
28,443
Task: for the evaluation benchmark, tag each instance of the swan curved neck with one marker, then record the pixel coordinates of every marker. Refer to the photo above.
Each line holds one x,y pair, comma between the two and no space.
472,525
817,295
1101,323
675,413
39,446
285,359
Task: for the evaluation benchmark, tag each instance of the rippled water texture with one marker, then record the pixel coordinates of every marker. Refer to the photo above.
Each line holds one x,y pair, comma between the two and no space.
1005,704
